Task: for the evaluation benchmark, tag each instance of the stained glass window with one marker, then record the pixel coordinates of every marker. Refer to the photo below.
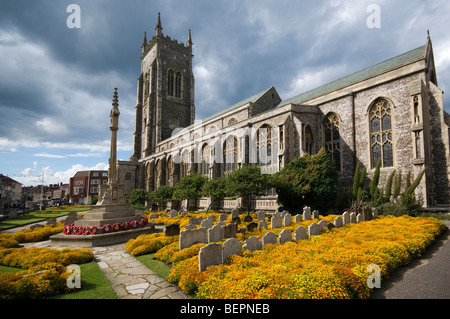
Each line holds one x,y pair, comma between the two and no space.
230,153
332,138
381,143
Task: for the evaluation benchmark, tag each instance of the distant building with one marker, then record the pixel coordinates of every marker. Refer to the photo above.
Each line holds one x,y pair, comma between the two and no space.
84,186
10,192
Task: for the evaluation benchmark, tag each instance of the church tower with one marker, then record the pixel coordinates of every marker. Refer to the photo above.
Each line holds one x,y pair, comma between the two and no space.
165,91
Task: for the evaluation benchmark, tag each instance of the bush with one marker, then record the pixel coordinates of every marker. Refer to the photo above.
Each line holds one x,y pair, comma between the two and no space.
147,244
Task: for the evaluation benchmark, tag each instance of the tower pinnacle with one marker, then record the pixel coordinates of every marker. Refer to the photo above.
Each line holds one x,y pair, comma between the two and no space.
159,27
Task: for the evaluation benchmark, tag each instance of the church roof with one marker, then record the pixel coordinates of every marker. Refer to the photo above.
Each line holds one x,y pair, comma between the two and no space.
393,63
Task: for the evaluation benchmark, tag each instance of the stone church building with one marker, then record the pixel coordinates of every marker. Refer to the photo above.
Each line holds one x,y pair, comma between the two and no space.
392,111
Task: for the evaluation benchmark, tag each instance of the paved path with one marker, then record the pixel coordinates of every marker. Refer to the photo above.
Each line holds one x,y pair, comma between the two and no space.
129,278
427,277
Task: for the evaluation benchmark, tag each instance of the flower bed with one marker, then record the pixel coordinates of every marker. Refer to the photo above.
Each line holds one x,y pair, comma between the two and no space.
44,271
330,265
8,240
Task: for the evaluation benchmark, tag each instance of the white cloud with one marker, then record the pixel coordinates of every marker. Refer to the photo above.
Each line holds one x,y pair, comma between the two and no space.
49,155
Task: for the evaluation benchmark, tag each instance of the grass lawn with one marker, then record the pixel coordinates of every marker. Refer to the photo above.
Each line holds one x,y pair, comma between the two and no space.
159,267
37,216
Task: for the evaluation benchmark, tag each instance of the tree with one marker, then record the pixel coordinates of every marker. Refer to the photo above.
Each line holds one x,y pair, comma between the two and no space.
161,195
189,187
216,189
245,182
309,180
388,187
138,197
374,192
356,179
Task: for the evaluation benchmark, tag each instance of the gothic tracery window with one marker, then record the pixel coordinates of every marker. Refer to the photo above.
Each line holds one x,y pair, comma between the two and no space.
332,138
178,85
309,141
184,165
205,158
381,142
230,154
266,145
170,84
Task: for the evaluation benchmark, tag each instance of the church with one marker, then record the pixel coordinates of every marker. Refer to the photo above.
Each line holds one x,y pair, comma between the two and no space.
392,111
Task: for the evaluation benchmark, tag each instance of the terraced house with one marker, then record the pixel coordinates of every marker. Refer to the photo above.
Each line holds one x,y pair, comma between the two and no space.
392,111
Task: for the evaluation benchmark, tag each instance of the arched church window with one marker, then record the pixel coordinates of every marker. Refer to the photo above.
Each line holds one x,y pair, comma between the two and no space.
332,138
205,158
170,84
178,85
184,166
381,142
264,145
230,154
309,140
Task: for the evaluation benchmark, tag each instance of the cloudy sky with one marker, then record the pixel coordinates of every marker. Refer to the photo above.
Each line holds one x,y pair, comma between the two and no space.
57,83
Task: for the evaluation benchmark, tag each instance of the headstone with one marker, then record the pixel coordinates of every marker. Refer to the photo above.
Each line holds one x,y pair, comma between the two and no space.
172,230
375,213
212,218
251,226
284,213
322,224
261,215
307,213
313,229
252,244
206,223
367,214
173,213
242,230
353,217
230,230
194,236
221,223
300,233
315,214
51,221
262,224
346,218
232,246
236,220
210,255
215,234
152,216
195,221
190,227
235,213
269,238
338,222
298,218
285,236
248,218
183,212
276,221
223,217
287,220
330,226
36,226
359,218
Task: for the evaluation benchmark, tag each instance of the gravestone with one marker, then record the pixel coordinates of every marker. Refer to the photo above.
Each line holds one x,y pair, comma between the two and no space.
298,218
315,214
32,227
269,238
223,217
313,229
51,221
194,236
300,233
248,218
183,212
172,230
353,217
212,218
285,236
234,213
261,215
375,213
322,224
359,218
252,244
338,222
307,213
152,216
206,224
330,226
346,218
262,224
173,213
276,221
190,227
366,214
210,255
284,213
215,234
251,226
232,246
287,220
221,223
230,230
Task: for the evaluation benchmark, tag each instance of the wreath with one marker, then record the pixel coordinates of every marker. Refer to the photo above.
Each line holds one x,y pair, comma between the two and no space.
144,222
116,227
79,230
106,228
73,230
67,229
86,230
125,226
134,224
93,230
